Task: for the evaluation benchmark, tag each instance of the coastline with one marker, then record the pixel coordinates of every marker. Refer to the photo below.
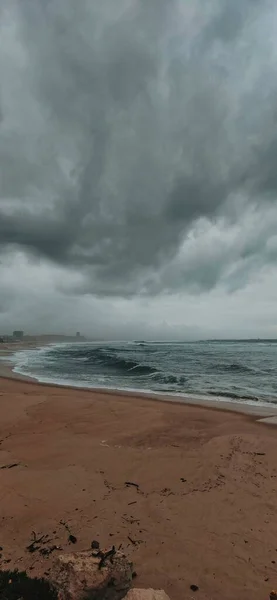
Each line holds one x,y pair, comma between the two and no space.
7,372
204,511
261,412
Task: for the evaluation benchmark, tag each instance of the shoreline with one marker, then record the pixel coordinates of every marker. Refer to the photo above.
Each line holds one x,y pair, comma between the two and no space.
262,413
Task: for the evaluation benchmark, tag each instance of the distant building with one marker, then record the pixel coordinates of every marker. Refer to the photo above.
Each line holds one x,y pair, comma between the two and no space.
18,335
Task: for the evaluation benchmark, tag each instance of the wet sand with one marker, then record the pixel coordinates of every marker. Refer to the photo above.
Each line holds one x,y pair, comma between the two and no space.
205,509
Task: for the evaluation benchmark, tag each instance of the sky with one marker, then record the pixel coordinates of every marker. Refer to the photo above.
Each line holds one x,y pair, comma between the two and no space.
138,168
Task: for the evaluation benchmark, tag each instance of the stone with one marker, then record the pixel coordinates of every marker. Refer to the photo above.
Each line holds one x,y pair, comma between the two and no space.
95,545
76,576
146,594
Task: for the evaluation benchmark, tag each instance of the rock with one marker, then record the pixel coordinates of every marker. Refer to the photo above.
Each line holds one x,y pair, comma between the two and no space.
77,576
72,539
148,594
95,545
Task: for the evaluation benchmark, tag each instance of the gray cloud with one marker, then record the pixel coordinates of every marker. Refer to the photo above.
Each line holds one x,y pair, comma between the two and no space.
123,124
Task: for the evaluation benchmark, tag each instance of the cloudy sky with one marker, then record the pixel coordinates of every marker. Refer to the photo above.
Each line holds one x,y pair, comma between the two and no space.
138,167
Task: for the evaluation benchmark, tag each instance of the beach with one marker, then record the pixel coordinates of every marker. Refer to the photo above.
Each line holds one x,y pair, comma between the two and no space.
202,512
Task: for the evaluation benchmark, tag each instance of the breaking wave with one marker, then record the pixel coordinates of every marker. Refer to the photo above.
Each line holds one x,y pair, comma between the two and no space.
109,359
234,396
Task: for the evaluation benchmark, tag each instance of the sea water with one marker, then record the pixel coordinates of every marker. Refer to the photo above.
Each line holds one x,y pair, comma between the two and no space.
227,370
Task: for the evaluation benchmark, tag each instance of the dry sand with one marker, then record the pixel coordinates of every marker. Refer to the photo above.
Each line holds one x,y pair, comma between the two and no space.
205,510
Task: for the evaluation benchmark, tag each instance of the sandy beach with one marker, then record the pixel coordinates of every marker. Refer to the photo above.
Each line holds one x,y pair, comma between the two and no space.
204,511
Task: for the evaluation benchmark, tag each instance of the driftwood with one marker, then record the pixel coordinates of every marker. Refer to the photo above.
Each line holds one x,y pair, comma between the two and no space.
71,538
130,483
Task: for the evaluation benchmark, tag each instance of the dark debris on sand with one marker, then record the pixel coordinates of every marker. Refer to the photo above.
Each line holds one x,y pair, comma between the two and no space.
42,545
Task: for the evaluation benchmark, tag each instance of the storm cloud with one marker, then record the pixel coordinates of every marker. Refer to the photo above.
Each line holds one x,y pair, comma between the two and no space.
136,137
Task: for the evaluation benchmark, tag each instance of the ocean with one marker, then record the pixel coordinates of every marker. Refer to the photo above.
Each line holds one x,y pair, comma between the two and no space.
224,371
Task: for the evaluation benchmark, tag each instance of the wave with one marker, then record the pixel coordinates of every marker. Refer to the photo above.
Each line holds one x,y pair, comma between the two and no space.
233,395
169,379
232,368
239,368
109,359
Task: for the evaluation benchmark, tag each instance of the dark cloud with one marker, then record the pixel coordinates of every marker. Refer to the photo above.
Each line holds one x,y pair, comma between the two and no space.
230,19
124,123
